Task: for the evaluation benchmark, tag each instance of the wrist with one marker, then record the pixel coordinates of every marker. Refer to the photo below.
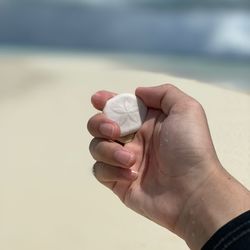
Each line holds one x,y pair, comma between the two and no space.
218,200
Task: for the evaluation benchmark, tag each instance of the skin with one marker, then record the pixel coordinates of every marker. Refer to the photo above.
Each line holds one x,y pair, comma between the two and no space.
170,172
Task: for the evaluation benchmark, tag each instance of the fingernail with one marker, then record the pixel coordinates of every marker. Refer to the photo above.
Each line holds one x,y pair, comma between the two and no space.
130,175
107,129
134,174
123,157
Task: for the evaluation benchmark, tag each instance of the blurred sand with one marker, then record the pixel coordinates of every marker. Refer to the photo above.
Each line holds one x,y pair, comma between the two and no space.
48,196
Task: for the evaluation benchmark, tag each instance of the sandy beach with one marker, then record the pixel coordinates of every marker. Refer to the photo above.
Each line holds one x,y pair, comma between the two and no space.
49,199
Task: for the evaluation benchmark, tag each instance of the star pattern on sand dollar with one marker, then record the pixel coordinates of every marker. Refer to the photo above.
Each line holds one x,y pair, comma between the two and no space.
127,111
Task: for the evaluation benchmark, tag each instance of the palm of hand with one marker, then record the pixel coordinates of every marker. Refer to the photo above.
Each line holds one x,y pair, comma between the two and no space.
170,153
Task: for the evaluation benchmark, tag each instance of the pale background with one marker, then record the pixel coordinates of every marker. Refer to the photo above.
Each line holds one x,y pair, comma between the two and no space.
54,55
48,196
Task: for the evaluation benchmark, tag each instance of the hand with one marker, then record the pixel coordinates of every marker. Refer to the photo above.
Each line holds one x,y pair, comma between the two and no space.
162,173
171,155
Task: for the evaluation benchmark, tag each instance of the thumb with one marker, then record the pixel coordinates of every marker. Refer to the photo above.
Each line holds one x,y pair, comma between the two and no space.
162,97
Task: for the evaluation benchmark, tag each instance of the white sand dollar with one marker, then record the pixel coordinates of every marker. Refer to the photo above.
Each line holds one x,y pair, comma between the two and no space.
128,111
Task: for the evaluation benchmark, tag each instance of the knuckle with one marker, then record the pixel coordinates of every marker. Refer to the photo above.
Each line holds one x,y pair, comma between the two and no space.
189,104
93,146
96,170
195,105
168,87
91,124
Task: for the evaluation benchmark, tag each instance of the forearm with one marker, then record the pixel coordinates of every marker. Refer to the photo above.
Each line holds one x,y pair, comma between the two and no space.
220,199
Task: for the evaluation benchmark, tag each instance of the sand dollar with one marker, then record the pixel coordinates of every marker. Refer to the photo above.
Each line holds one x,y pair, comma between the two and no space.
128,111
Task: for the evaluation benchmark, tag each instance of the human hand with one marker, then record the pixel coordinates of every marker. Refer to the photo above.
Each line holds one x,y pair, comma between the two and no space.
166,170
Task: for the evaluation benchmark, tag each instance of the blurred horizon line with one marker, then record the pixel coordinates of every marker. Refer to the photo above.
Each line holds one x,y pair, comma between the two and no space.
211,34
157,4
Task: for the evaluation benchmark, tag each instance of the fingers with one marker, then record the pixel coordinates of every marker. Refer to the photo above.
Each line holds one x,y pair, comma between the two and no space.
100,98
111,153
107,173
100,126
117,159
162,97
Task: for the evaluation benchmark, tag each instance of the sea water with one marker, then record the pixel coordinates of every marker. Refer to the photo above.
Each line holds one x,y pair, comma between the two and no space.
209,44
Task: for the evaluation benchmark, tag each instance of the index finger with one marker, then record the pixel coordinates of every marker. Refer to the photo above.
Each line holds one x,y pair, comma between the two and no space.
100,98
